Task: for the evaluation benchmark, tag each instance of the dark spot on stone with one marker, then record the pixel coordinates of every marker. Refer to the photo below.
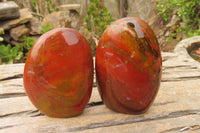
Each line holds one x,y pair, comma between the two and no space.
131,24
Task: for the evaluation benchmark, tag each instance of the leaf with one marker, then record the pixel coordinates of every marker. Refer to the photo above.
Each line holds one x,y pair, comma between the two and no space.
8,54
46,28
4,50
1,39
14,51
10,61
28,42
1,31
95,16
19,56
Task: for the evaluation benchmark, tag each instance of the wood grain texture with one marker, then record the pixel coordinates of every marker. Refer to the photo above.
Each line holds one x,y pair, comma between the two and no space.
11,71
176,108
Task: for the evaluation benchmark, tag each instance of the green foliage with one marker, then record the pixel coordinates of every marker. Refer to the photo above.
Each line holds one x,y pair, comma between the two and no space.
187,11
46,28
165,8
51,7
1,33
97,18
8,54
42,8
34,3
194,32
72,2
28,43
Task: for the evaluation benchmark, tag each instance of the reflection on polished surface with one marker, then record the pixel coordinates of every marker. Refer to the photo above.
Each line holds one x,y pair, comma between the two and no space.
58,73
128,66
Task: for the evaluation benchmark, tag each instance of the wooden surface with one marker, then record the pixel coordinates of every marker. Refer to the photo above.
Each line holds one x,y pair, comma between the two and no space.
176,108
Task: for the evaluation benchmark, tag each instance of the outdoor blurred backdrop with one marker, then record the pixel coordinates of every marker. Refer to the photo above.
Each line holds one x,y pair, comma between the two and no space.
23,21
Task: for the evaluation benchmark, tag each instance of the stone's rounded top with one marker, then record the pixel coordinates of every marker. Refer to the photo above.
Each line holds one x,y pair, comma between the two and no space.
65,37
132,25
71,38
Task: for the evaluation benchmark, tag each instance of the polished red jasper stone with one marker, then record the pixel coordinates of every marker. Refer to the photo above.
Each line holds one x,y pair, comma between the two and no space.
58,73
128,66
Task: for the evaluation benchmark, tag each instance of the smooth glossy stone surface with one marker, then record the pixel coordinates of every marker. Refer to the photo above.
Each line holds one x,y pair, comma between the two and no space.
58,73
128,66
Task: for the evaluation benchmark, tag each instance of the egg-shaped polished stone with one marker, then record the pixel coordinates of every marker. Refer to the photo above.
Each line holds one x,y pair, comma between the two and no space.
58,73
128,66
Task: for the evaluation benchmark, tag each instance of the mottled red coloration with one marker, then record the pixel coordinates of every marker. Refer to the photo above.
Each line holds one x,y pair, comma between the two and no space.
198,51
58,73
128,66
